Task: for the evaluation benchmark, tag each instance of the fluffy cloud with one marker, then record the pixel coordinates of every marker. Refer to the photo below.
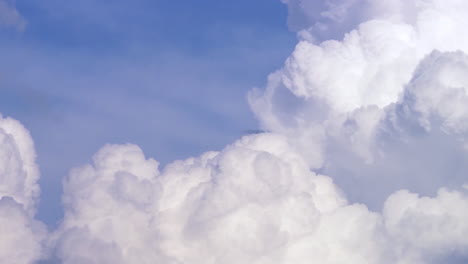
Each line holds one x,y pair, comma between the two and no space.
390,90
244,204
19,172
21,236
21,239
256,201
365,132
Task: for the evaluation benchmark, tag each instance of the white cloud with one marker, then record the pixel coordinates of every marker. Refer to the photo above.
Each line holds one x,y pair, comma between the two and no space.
18,170
343,104
21,239
424,228
381,111
360,110
240,205
256,201
21,236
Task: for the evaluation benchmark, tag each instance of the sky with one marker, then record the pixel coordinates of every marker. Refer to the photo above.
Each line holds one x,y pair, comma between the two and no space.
80,75
263,132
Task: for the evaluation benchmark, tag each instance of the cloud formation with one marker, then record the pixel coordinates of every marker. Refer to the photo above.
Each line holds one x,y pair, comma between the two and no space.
243,204
390,90
365,162
22,237
256,201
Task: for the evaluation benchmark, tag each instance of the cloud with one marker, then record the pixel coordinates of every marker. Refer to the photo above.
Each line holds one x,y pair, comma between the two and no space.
18,170
225,206
364,160
426,227
22,237
359,107
10,18
256,201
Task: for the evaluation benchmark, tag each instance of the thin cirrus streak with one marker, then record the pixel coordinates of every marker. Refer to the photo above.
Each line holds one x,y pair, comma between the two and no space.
365,122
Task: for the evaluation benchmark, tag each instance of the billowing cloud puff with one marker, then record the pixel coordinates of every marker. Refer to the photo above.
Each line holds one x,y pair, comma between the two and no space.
373,62
254,202
438,93
244,204
390,89
21,236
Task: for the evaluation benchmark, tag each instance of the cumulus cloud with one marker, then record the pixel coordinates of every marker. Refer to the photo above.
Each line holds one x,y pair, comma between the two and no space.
243,204
391,89
19,172
256,201
21,239
365,162
10,18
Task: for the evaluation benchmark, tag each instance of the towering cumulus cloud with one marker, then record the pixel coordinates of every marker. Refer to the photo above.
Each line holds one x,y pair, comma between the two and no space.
20,235
382,108
366,161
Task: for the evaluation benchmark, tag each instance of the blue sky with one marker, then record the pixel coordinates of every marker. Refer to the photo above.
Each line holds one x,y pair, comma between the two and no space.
170,76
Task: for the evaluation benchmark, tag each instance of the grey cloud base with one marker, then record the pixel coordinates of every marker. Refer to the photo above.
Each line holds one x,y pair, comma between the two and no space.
365,161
